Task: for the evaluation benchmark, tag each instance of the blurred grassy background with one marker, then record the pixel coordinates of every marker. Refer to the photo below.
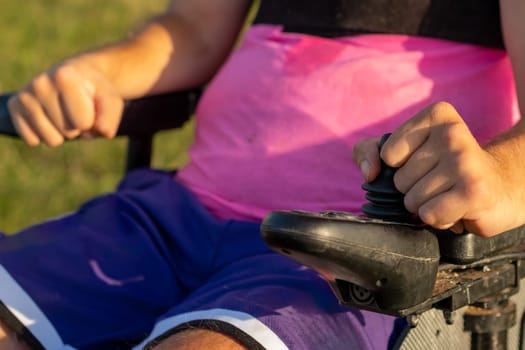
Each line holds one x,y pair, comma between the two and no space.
40,183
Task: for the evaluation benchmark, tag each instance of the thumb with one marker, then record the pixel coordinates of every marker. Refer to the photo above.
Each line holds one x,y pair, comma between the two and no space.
366,156
108,112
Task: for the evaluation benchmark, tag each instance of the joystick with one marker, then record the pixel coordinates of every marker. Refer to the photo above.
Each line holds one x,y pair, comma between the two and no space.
384,200
384,261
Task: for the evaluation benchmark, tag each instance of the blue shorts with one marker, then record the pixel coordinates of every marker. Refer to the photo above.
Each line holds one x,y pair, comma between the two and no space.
132,267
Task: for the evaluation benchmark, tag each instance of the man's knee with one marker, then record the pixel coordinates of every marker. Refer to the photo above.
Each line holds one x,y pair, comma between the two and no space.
9,340
197,339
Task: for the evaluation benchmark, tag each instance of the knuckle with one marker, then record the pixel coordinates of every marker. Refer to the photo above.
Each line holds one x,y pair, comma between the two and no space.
455,133
411,203
463,163
400,182
27,104
440,109
25,97
474,187
81,120
62,76
447,135
84,122
12,103
40,85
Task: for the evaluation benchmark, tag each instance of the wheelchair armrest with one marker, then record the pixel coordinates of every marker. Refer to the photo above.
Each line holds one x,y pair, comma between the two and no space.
141,119
468,247
6,126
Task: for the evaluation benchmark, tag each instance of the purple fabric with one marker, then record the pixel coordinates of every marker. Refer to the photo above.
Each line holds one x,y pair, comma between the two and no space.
105,275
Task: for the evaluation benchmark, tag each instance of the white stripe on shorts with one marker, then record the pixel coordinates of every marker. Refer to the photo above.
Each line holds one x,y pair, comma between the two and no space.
243,321
20,304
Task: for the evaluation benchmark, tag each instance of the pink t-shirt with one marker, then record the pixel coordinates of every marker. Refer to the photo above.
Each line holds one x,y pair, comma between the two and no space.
276,127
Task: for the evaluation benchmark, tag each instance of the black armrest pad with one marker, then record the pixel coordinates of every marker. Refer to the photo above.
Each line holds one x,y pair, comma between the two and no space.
6,126
467,248
147,115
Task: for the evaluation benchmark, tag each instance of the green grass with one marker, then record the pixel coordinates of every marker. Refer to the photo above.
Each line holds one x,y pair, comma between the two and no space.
40,183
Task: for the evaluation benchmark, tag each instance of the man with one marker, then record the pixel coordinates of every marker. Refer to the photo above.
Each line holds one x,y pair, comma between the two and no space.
181,258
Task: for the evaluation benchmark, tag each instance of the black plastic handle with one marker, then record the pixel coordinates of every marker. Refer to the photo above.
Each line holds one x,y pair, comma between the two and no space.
372,264
6,125
384,200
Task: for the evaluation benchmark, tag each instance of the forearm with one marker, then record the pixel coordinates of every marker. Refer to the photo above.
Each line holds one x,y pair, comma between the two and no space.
137,66
509,152
172,51
509,148
180,49
512,12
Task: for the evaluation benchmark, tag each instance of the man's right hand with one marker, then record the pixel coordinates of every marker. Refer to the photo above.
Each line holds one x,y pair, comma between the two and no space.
449,180
70,100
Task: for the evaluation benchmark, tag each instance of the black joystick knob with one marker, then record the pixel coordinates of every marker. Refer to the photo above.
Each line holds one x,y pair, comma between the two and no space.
384,200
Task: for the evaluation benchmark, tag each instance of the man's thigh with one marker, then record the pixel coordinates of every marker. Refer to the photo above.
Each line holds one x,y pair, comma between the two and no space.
266,301
101,276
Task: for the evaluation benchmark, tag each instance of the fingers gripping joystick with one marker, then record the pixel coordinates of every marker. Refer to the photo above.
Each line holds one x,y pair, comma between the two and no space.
384,200
385,262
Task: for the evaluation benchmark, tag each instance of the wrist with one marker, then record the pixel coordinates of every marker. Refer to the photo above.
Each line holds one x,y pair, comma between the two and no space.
108,63
507,156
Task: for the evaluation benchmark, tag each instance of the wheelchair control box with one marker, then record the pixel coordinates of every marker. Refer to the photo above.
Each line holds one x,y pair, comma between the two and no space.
379,265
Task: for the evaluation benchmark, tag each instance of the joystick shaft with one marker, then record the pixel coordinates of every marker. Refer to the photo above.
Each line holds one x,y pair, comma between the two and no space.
384,200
